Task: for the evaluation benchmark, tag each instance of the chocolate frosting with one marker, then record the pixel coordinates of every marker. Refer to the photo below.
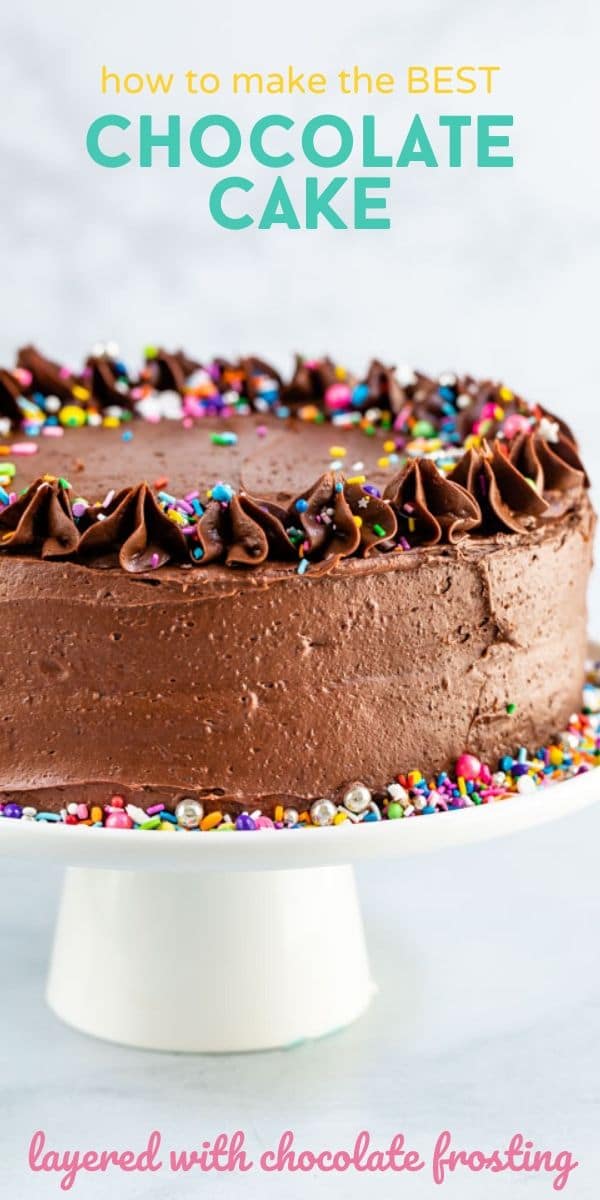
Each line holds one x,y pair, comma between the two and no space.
431,508
254,368
310,380
383,386
39,522
135,529
249,541
235,681
553,466
246,377
48,377
531,473
334,519
246,689
10,390
507,501
103,376
524,456
243,532
272,519
458,403
378,524
330,530
170,371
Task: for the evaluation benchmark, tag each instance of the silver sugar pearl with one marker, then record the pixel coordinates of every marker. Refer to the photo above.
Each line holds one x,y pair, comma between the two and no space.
322,812
189,813
357,799
290,816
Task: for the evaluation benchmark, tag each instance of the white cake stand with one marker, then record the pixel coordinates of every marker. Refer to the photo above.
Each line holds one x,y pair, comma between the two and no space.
234,941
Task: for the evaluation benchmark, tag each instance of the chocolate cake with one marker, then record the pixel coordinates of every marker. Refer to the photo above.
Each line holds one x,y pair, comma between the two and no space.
224,587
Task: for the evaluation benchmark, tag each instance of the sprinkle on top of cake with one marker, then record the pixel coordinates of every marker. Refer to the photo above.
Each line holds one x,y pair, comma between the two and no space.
448,457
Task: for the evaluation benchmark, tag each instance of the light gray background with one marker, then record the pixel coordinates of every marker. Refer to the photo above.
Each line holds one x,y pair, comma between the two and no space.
491,271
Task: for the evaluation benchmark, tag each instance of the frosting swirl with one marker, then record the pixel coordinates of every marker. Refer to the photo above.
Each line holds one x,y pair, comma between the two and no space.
169,371
554,466
243,531
383,387
327,521
39,522
506,499
135,529
375,517
108,382
312,379
10,390
430,507
49,378
252,379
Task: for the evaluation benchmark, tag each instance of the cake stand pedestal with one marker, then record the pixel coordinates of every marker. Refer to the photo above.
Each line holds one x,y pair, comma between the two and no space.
228,941
232,960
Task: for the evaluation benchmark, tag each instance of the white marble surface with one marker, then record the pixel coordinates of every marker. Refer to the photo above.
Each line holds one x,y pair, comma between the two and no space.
491,951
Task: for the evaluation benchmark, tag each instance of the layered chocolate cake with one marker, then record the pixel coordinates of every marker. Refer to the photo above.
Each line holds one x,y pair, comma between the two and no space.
227,592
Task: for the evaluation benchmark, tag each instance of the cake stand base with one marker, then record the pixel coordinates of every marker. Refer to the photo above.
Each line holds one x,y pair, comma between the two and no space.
231,941
210,961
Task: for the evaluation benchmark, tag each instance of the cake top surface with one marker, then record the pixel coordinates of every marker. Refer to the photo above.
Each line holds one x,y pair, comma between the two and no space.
269,456
228,463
